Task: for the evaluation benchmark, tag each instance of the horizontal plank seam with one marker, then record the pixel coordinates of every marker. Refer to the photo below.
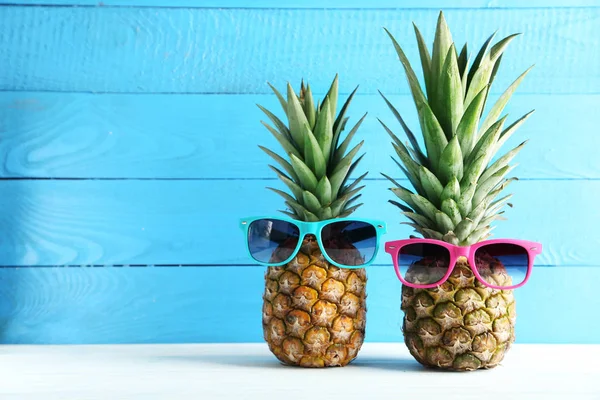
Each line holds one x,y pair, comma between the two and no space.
159,93
101,5
218,265
235,179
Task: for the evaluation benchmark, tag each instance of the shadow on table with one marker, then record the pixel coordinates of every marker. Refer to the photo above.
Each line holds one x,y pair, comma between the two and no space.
240,360
260,361
389,364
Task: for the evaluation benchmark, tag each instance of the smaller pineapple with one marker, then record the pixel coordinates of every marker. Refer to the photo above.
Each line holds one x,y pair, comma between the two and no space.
314,313
461,324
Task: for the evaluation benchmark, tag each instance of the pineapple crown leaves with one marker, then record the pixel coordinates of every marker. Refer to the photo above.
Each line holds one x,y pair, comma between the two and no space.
318,158
455,187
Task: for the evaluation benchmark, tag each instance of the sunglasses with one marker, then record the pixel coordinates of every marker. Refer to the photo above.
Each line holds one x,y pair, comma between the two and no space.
498,264
344,242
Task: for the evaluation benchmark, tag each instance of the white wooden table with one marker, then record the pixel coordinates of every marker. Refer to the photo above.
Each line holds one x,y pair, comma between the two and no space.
249,371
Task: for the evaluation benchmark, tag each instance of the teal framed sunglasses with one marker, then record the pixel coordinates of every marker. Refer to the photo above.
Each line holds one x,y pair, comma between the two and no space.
344,242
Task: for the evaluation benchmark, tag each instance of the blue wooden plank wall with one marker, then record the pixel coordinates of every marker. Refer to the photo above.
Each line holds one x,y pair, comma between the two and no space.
128,133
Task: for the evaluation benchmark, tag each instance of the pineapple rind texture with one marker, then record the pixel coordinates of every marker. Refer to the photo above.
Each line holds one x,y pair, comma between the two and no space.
460,325
314,314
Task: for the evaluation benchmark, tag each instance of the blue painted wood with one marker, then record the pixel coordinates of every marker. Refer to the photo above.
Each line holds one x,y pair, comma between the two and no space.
196,222
319,4
178,305
167,50
198,136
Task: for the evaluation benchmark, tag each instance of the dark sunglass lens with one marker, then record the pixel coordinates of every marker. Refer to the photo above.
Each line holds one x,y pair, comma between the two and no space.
423,263
271,240
502,264
350,243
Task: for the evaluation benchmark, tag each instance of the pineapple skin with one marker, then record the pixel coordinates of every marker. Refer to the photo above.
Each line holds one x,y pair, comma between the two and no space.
314,313
460,325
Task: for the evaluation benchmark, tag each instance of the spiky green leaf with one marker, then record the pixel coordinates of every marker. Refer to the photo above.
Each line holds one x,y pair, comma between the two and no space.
311,202
463,59
464,229
425,206
451,162
441,45
340,121
283,194
425,61
472,173
307,179
312,154
497,205
444,223
467,127
292,215
451,103
486,186
507,133
402,151
477,213
332,95
324,130
432,186
288,146
326,213
435,139
350,187
450,208
478,235
419,220
338,205
450,237
296,189
297,207
280,98
350,210
324,191
501,162
296,117
431,234
486,145
483,74
309,107
341,150
464,200
411,137
451,190
405,195
479,57
277,122
310,217
282,162
492,195
348,174
498,107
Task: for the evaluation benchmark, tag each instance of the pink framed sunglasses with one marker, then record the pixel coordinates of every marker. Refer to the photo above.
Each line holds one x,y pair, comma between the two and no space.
499,263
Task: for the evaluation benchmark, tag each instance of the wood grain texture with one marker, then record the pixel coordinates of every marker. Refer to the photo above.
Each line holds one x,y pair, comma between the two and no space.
317,4
216,304
196,222
61,135
174,50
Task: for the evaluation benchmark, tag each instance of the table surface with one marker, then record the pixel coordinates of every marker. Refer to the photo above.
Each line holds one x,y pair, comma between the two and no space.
249,371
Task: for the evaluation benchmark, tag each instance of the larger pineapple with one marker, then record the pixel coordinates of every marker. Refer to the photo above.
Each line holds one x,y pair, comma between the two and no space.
462,324
313,312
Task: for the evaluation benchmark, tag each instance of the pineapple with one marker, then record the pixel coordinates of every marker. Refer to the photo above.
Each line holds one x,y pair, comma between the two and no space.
461,324
314,313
